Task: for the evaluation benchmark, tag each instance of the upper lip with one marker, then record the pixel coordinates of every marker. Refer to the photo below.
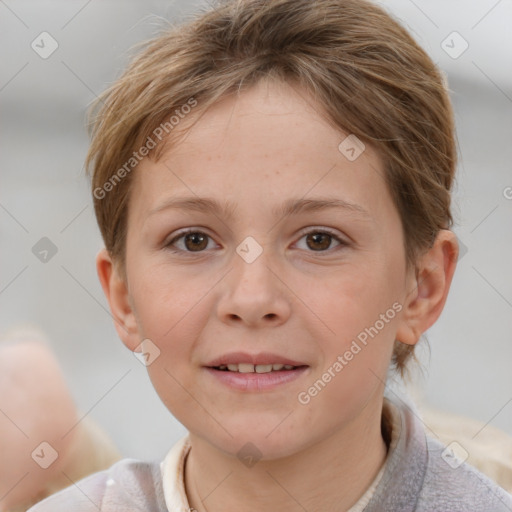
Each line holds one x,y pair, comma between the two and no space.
259,358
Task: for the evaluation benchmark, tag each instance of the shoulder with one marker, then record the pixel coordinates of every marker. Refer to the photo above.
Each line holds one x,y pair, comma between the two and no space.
127,485
451,484
423,475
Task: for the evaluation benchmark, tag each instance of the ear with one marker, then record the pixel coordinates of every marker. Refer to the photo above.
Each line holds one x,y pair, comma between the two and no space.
116,292
427,288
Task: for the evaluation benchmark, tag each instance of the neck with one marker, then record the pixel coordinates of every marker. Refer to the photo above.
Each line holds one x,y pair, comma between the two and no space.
329,475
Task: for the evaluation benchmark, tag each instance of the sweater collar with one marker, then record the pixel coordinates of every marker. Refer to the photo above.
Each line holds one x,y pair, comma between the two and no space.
406,464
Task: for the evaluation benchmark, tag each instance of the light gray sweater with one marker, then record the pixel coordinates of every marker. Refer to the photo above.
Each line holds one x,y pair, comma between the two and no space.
420,475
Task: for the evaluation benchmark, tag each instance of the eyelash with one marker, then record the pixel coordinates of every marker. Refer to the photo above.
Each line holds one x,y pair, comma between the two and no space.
183,234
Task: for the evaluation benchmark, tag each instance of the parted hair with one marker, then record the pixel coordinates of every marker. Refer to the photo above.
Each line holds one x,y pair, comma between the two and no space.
369,78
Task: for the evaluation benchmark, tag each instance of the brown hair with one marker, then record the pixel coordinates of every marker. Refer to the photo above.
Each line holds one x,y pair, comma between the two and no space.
363,68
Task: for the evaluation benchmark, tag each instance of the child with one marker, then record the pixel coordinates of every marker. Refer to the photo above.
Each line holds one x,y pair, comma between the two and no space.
257,131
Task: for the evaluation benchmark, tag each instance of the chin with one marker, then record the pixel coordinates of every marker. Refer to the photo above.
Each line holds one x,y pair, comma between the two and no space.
254,442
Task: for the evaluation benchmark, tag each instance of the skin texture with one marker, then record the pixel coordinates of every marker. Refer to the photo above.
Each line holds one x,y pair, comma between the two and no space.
305,298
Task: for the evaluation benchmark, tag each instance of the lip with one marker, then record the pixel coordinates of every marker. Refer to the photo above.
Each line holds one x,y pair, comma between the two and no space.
256,381
259,358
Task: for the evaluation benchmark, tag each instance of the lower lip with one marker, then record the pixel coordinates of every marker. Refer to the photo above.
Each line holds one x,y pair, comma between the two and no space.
256,381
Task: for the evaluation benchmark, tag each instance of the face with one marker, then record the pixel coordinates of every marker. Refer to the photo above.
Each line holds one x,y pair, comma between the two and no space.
255,281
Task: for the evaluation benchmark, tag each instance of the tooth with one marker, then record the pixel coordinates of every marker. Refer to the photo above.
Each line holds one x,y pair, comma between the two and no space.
222,367
277,367
233,367
288,366
246,368
263,368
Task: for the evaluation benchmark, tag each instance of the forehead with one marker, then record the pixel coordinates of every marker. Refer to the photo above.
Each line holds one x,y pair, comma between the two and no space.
270,143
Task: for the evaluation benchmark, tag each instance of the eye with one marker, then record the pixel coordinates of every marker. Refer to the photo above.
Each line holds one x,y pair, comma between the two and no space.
193,241
321,240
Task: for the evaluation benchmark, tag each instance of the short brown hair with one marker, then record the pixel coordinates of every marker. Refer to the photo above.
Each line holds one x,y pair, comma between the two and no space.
363,68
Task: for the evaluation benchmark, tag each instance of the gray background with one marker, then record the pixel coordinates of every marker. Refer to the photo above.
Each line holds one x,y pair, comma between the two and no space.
44,192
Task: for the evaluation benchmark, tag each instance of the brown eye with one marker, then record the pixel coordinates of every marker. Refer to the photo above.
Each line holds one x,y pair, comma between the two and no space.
321,241
191,241
196,241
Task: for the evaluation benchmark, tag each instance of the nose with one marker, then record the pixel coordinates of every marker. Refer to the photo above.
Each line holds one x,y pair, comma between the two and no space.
254,294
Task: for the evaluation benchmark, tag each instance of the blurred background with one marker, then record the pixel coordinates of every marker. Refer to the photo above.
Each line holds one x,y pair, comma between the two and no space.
44,193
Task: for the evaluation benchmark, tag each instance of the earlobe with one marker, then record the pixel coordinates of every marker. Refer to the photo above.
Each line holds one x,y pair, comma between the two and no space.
116,292
428,287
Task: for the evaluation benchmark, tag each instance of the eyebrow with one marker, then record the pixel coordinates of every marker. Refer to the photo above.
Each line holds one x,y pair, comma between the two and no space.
289,207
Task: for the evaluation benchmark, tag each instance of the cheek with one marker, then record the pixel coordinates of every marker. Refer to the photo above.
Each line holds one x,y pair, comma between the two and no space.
354,298
360,305
166,301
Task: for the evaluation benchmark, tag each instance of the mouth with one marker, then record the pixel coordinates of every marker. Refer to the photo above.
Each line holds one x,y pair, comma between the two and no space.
255,372
256,368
